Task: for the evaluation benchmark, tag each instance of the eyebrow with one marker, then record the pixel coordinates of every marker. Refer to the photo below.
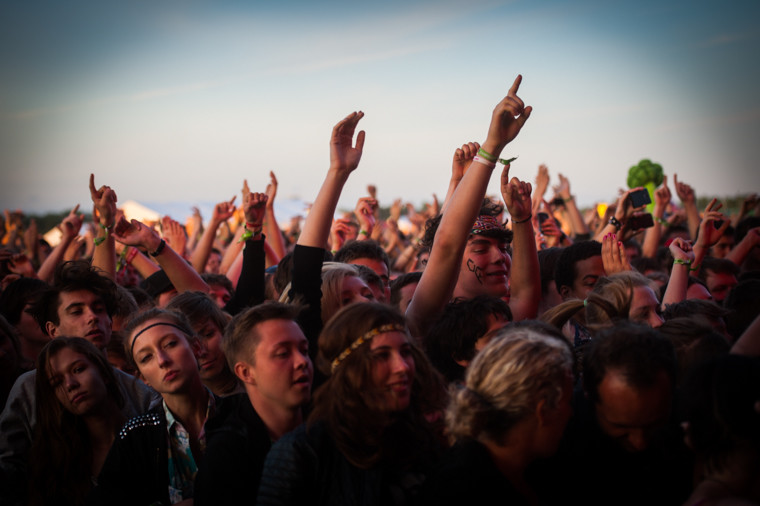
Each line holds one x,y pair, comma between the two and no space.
160,340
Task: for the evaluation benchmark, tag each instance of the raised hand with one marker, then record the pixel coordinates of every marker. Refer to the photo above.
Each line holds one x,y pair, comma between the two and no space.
339,232
174,234
365,214
462,159
684,191
344,156
681,250
709,233
223,211
71,224
662,195
507,120
136,233
254,208
614,257
104,199
271,190
516,196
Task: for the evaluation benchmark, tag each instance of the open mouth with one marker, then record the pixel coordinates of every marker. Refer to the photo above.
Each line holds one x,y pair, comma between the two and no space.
302,380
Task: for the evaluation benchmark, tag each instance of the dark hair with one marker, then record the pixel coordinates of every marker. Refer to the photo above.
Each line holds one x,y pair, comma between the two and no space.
547,262
219,280
61,456
199,308
718,266
368,248
744,226
363,431
693,341
719,403
18,294
644,264
565,271
400,282
705,311
453,335
71,277
143,298
370,277
487,208
742,303
637,351
241,338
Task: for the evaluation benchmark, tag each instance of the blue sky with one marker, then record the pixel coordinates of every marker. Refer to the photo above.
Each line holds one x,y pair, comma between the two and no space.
176,102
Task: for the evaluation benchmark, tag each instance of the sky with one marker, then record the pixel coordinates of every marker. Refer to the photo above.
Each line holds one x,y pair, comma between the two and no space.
173,103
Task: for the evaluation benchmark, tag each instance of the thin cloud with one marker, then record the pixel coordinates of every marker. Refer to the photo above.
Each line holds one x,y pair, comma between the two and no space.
726,39
133,97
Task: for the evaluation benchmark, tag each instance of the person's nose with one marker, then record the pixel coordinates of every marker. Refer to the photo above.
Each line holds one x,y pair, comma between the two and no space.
638,440
163,358
399,364
71,382
655,320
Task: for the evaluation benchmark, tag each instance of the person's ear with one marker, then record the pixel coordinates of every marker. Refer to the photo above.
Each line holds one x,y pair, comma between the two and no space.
245,372
542,413
51,329
564,292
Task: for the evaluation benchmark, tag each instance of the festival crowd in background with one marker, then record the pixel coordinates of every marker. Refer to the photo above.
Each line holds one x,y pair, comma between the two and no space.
514,349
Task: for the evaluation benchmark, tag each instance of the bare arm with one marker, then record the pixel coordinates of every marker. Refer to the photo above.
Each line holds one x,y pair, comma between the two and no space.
440,276
222,212
69,229
104,256
683,256
689,201
653,234
275,240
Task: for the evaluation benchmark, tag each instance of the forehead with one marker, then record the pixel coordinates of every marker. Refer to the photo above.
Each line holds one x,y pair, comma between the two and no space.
389,339
625,405
376,265
353,283
63,359
592,266
161,329
78,297
277,332
643,296
481,240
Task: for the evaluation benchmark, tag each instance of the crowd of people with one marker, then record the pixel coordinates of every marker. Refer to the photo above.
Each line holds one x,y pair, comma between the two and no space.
516,349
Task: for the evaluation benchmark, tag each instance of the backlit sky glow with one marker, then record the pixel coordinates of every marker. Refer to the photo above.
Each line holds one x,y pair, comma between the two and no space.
178,101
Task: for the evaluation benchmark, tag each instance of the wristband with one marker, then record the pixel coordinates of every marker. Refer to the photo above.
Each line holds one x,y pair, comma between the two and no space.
523,221
109,228
616,223
507,161
488,156
159,249
484,161
568,199
248,233
99,240
363,232
678,261
694,267
131,255
661,221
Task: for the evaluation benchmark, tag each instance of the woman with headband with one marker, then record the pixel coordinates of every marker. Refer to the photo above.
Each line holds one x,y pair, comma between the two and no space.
156,455
368,439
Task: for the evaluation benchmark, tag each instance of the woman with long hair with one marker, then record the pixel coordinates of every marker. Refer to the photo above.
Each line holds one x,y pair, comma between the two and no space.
369,438
78,404
156,455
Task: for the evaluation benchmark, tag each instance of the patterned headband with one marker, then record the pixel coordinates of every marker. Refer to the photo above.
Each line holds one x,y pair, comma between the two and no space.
390,327
484,223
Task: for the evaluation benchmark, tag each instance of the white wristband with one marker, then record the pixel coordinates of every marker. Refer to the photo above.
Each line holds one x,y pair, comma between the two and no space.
480,159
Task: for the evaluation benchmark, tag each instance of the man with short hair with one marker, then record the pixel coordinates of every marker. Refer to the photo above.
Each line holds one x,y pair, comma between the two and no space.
719,275
370,254
622,445
80,303
269,353
578,268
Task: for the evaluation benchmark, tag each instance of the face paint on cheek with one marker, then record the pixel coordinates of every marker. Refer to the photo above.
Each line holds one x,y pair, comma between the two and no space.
475,270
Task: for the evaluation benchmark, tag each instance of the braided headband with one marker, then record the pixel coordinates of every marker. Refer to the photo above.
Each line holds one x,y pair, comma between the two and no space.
484,223
134,340
382,329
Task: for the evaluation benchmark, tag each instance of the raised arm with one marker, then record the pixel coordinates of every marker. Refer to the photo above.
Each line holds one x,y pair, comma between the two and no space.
709,234
440,276
525,275
365,210
580,229
104,256
274,235
70,227
683,256
653,234
459,165
689,201
344,158
179,272
222,212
